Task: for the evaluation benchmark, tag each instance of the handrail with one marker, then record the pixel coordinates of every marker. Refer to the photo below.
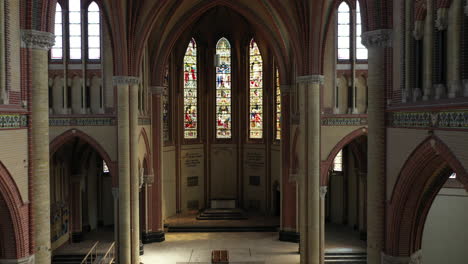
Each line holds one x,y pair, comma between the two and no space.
110,255
92,254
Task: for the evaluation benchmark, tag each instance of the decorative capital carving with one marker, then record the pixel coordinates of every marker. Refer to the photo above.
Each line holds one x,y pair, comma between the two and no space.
441,22
418,32
157,90
148,179
285,88
381,38
323,191
125,80
315,79
33,39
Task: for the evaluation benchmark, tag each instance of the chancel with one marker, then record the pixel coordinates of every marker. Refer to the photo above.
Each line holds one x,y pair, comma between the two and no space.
220,131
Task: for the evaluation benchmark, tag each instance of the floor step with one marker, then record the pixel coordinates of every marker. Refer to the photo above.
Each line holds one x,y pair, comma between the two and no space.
204,229
346,257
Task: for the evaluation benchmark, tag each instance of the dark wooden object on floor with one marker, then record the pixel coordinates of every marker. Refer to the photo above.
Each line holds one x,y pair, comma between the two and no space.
219,256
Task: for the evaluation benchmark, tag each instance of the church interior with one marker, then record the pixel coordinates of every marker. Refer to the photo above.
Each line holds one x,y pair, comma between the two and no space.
221,131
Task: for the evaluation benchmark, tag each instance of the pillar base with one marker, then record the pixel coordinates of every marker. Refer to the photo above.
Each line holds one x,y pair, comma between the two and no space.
142,248
153,237
77,237
26,260
289,236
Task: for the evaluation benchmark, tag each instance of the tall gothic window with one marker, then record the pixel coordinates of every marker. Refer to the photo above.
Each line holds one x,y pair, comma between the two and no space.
256,92
57,50
361,50
190,91
74,18
94,32
344,31
223,89
278,106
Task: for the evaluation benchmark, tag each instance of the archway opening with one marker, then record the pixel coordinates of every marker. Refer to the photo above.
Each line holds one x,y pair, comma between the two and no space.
82,204
345,202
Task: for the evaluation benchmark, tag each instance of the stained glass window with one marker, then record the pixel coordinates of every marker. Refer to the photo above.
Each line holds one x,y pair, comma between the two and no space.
361,50
74,17
57,50
256,91
338,161
190,91
278,106
223,89
94,32
166,105
344,31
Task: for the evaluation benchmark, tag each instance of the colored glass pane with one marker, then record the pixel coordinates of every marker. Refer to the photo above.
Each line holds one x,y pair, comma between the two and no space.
223,89
256,92
278,106
166,105
190,92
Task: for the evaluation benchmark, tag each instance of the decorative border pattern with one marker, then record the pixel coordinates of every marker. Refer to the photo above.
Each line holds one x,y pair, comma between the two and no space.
344,121
454,119
13,121
79,121
144,121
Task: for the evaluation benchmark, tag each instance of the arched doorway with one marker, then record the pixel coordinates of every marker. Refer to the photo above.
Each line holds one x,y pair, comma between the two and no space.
82,205
417,200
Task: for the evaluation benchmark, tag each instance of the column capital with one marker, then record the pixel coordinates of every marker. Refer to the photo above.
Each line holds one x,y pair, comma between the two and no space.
381,38
157,90
286,88
33,39
125,80
323,191
319,79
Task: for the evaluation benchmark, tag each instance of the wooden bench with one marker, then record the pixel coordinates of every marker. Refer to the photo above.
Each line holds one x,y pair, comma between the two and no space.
219,256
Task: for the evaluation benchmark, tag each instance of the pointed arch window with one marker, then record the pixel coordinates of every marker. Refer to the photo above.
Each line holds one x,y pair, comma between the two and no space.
338,162
256,92
223,89
190,92
74,28
56,52
94,32
361,50
278,106
344,31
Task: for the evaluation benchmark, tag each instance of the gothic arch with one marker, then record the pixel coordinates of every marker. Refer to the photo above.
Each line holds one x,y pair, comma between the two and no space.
147,156
13,219
75,133
326,164
416,187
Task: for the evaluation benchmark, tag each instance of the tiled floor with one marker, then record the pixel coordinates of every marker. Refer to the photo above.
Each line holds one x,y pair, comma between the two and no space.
243,248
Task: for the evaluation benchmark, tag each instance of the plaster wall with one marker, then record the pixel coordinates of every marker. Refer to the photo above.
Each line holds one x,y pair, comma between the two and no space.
254,168
445,236
331,136
458,144
14,156
192,170
224,171
106,136
169,182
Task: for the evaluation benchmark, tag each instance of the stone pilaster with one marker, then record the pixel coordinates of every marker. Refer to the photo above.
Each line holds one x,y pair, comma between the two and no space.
323,194
115,195
428,43
309,167
123,117
376,42
3,93
40,43
454,49
134,175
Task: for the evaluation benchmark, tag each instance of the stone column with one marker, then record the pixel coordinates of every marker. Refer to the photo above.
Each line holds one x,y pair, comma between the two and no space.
155,211
377,43
454,49
288,229
39,43
134,175
323,194
428,43
115,195
309,167
123,118
3,94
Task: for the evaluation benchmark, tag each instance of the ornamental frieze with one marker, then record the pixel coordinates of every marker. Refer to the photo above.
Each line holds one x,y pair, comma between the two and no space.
13,121
344,121
85,121
453,119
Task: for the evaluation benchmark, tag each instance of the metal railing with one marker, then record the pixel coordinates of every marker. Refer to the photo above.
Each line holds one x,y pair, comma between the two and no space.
91,257
109,257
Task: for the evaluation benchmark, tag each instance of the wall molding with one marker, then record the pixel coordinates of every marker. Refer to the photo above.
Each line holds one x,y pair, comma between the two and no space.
452,119
82,121
344,121
125,80
13,121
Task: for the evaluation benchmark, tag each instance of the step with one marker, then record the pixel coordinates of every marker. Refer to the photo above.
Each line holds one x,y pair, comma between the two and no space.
174,229
346,257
